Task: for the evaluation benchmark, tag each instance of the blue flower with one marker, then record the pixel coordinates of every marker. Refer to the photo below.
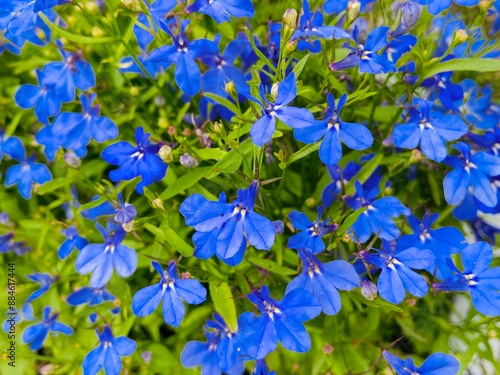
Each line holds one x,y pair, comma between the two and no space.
102,259
17,316
441,241
441,85
92,296
279,321
396,276
261,368
74,72
482,282
224,228
311,26
410,13
141,160
107,354
339,178
7,244
9,145
398,47
72,240
183,53
36,334
45,98
312,233
125,212
337,6
377,217
333,128
25,174
471,170
218,354
435,364
171,290
430,129
477,107
365,55
45,281
437,6
264,127
222,10
323,280
74,130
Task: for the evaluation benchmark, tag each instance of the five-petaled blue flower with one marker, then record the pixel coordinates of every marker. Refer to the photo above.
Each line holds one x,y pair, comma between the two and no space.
141,160
222,10
365,55
323,280
73,239
75,130
183,53
482,282
224,228
171,290
107,355
311,26
396,276
279,321
36,334
45,281
430,129
102,259
377,217
471,170
92,296
435,364
355,136
9,145
312,233
26,173
263,129
442,242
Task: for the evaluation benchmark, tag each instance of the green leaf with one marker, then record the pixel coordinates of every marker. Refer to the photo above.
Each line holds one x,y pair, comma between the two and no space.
258,51
454,65
210,153
185,182
302,153
378,302
92,204
349,221
225,102
224,303
231,162
55,184
79,38
271,266
171,237
300,65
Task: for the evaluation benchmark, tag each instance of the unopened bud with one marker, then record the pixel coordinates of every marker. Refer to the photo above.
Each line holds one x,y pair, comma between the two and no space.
274,90
415,156
289,23
353,8
159,101
218,128
188,161
311,202
485,4
134,91
147,356
166,153
230,88
291,45
128,227
72,160
279,227
460,36
368,290
162,123
185,275
97,32
158,203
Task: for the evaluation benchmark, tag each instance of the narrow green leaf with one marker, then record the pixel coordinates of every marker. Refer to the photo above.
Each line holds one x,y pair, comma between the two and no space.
225,102
171,237
210,153
79,38
231,162
185,182
349,221
454,65
224,303
302,153
92,204
378,302
55,184
300,65
271,266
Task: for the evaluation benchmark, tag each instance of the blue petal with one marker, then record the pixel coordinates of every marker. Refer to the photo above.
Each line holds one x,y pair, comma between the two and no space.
377,39
173,309
112,362
300,305
211,215
230,239
146,300
102,272
194,353
440,364
124,260
356,136
399,365
287,90
259,230
482,188
61,327
292,335
88,259
341,274
190,206
477,257
312,133
93,361
455,185
187,74
300,220
432,145
260,337
327,294
191,291
412,281
295,117
416,258
330,151
390,286
263,129
27,96
488,164
485,301
124,346
406,135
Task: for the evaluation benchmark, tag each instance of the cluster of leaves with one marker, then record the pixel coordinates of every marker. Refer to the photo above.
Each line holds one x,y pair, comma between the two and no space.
220,134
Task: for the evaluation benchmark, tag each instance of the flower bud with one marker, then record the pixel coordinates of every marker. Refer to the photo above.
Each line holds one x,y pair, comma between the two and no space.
159,101
171,130
368,290
279,227
274,90
128,227
460,36
415,156
289,23
188,161
134,91
166,153
72,160
147,356
353,8
162,123
230,88
218,128
158,203
291,46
